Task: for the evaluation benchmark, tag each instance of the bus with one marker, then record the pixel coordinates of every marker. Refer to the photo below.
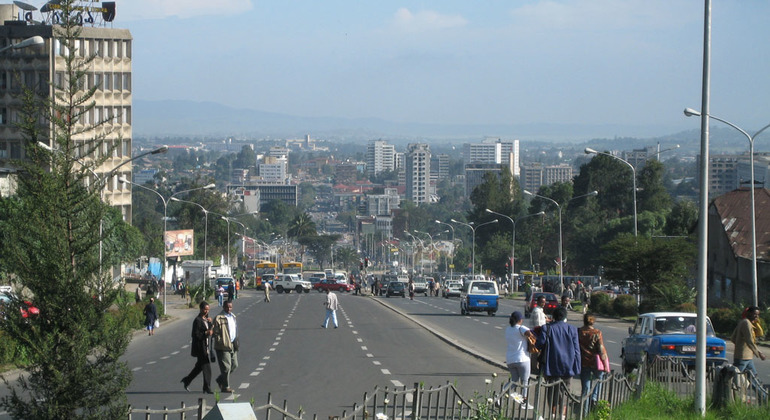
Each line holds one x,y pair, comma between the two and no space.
265,267
292,268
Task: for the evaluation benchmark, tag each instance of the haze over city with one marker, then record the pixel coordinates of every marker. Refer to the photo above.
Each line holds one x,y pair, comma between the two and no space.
624,68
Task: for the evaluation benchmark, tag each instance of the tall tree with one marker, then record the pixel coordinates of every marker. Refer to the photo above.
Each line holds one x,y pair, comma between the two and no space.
302,225
51,236
652,195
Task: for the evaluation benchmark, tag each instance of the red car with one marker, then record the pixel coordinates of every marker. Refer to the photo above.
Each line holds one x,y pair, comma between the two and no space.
333,285
551,303
26,307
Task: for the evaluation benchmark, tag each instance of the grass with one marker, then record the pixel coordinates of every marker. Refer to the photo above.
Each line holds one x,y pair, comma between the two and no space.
657,403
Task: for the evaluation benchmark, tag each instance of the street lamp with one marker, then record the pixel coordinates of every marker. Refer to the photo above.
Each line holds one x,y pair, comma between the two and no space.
590,151
228,220
452,255
432,244
561,241
473,246
422,246
754,283
205,239
29,42
513,242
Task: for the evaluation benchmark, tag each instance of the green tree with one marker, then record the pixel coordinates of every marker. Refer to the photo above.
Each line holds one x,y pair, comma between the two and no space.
51,236
246,158
346,257
682,219
652,195
319,246
302,225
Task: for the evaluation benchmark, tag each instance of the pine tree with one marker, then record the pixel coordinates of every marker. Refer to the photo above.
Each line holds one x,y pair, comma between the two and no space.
50,246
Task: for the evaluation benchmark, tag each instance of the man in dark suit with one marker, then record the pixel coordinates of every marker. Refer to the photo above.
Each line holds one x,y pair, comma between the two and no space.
202,330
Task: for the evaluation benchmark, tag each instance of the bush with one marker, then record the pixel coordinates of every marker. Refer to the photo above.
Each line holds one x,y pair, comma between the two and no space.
687,307
600,303
624,305
724,319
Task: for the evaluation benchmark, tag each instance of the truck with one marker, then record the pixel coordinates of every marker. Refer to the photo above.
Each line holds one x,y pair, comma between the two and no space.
288,282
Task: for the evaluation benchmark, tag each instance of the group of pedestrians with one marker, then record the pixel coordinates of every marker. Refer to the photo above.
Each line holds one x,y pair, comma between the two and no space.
214,340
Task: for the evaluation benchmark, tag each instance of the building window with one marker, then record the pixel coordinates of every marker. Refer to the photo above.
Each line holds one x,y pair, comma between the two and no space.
15,150
107,81
127,82
98,83
3,150
126,148
117,81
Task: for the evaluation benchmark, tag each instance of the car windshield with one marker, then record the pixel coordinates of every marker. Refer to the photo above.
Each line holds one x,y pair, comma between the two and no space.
485,288
679,325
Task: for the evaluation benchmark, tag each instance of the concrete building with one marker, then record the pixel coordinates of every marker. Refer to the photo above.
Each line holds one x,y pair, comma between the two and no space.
383,204
418,173
274,170
439,167
493,150
722,174
380,157
475,172
535,175
42,67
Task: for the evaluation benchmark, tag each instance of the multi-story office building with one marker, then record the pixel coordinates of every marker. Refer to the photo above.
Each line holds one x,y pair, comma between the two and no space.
418,173
475,172
274,170
383,204
254,195
278,152
761,170
493,150
535,175
40,68
722,173
439,167
380,157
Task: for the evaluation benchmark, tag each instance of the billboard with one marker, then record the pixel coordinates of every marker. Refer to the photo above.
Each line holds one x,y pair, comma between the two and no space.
179,242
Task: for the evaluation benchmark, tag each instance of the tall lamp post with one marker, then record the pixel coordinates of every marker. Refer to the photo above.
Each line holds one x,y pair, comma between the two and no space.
452,255
205,239
124,180
229,219
561,238
590,151
473,246
754,282
422,247
513,242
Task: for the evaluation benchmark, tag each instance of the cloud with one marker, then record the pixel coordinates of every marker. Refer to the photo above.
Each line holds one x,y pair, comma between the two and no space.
161,9
425,20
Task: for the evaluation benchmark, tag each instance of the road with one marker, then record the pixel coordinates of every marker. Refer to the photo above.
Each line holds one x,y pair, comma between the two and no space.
391,342
285,352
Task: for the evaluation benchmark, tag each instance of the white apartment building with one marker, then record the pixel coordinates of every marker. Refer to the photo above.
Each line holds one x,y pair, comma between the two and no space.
493,150
41,67
535,175
382,204
380,157
418,173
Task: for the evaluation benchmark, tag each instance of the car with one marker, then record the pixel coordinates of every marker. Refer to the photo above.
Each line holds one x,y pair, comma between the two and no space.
669,334
286,283
26,307
420,285
313,280
333,285
551,303
479,296
452,288
396,288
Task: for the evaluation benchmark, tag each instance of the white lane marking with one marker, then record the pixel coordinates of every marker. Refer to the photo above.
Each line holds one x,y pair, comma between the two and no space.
164,357
272,349
262,363
175,352
136,369
376,363
369,355
243,385
499,327
254,374
396,383
152,362
355,332
266,358
276,343
385,371
360,340
485,323
185,346
364,348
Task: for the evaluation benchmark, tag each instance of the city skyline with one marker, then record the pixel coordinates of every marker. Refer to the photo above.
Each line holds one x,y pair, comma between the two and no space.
628,66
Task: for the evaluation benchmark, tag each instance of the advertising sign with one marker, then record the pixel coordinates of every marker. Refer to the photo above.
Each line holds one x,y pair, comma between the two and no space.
179,242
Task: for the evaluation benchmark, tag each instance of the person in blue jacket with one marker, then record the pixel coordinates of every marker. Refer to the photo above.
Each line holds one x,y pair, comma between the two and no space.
559,343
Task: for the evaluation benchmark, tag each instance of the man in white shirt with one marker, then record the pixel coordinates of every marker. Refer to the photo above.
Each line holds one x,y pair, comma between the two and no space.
331,309
226,344
538,316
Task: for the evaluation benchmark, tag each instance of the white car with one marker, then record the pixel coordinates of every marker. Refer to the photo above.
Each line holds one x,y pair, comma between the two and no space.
452,288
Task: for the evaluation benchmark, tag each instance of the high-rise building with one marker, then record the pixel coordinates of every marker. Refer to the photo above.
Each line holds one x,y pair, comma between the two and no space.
418,173
380,157
535,175
43,67
439,167
493,150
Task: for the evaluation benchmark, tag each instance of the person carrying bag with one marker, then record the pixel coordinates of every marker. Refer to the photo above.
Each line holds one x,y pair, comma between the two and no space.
594,360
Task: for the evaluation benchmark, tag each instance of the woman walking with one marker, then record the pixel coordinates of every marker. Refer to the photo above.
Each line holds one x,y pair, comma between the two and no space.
517,356
593,360
150,316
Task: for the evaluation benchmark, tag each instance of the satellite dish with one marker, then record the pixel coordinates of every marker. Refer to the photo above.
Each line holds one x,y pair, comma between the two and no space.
25,6
47,8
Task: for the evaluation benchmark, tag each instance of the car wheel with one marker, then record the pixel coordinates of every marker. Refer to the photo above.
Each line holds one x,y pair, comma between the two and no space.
491,313
279,289
298,289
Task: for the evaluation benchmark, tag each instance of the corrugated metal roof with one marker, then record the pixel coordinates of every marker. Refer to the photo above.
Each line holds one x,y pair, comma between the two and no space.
734,210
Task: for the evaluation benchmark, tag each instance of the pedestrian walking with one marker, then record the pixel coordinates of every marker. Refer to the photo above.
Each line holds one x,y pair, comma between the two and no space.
267,292
150,316
230,291
226,344
138,294
593,361
538,316
558,340
331,309
517,356
411,289
745,339
220,294
202,330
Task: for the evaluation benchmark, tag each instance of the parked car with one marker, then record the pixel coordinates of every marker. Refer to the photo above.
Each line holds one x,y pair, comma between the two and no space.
313,280
26,307
551,303
668,334
333,285
396,288
452,288
479,296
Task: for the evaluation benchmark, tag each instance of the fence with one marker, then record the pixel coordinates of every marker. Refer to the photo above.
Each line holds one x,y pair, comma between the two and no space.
510,400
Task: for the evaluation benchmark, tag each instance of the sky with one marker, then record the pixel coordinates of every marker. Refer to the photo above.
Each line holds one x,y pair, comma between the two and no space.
622,62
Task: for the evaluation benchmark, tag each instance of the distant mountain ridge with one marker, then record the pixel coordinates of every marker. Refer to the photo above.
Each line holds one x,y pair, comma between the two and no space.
188,118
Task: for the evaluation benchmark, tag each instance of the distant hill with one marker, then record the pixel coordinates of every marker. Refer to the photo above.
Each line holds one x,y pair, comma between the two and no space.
187,118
